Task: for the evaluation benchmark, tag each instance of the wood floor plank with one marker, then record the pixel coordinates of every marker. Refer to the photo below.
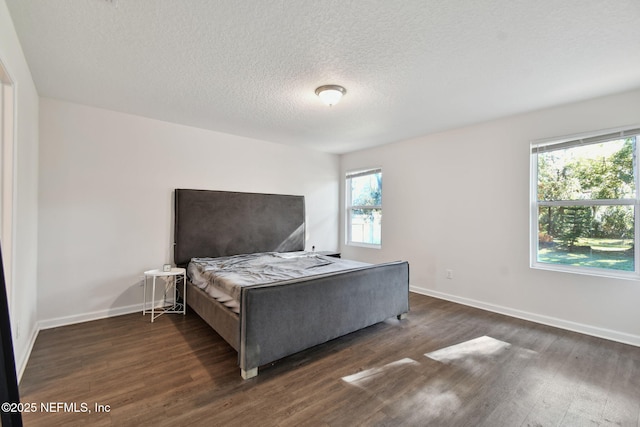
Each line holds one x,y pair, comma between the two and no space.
498,371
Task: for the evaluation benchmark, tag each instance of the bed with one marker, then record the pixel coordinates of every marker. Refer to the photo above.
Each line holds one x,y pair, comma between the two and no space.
274,319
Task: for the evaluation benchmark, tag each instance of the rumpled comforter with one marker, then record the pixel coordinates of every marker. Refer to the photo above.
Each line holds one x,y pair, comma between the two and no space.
224,277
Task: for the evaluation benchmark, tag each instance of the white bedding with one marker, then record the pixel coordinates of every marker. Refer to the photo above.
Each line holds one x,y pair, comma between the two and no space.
223,278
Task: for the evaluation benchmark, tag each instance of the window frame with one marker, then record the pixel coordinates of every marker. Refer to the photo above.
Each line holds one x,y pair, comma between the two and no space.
601,136
350,207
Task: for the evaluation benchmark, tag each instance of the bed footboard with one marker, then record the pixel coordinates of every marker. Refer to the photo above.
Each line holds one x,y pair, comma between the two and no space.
283,319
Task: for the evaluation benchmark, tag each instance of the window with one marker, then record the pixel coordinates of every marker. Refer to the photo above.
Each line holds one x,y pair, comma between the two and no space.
364,208
585,204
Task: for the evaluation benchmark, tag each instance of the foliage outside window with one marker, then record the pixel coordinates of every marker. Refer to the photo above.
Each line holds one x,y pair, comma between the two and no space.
364,208
585,204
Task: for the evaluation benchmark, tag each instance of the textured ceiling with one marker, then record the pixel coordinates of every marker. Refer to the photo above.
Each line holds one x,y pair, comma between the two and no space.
250,68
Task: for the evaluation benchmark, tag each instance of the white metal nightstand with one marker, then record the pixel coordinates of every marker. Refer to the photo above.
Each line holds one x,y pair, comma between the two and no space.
173,307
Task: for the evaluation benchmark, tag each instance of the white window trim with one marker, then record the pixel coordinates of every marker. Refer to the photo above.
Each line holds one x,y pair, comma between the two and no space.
585,138
350,208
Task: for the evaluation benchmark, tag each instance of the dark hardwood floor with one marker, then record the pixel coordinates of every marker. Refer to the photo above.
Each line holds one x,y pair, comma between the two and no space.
445,365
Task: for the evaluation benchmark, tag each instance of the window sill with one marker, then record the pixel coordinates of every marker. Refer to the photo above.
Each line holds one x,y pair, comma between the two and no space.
587,271
364,245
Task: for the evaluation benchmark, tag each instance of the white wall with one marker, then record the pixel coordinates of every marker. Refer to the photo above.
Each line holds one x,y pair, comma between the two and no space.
106,188
459,200
25,197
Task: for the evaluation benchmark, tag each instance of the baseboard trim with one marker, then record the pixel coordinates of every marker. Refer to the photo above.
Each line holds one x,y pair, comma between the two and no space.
87,317
21,365
595,331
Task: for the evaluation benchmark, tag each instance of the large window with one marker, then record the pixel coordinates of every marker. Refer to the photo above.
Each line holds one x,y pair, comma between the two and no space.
364,207
585,204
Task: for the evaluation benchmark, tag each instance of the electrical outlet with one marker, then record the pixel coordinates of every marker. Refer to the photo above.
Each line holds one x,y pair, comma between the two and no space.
449,274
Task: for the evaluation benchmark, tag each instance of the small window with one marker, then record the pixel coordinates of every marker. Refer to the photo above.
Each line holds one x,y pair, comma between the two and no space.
585,204
364,208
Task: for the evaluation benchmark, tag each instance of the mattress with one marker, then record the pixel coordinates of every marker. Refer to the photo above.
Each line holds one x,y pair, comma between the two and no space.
223,278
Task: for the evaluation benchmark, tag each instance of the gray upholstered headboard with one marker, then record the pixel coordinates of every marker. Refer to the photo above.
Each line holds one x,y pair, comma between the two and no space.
222,223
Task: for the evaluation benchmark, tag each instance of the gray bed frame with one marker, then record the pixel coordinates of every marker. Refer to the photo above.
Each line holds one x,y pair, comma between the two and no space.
279,319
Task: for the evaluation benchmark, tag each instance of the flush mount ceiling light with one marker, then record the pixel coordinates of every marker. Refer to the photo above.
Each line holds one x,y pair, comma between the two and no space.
330,94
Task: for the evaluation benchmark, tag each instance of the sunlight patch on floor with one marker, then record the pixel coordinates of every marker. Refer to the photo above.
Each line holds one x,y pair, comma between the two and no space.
373,373
430,397
434,400
470,353
478,347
